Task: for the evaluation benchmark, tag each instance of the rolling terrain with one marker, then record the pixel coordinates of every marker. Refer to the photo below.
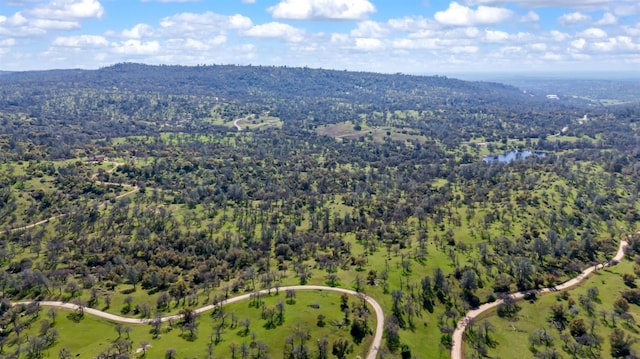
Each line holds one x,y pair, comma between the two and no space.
147,192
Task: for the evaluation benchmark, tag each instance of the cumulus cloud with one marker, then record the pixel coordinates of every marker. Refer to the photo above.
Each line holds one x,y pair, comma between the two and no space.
196,25
168,1
16,19
68,10
322,9
337,38
138,31
137,47
558,36
412,24
49,24
81,41
495,36
552,56
531,16
574,4
464,49
539,47
367,44
573,18
369,29
276,30
460,15
7,42
188,44
593,33
607,19
627,9
578,44
240,22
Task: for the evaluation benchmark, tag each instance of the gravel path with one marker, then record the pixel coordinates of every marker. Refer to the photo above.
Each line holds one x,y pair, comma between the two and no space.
373,351
235,123
456,349
134,189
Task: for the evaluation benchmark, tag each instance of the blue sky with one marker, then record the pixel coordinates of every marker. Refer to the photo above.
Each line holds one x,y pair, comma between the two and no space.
409,36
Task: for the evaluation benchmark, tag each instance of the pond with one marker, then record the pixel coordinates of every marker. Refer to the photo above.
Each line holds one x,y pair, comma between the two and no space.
511,156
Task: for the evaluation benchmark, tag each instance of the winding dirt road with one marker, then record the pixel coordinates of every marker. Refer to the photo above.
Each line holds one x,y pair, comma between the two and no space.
133,189
457,348
373,351
235,123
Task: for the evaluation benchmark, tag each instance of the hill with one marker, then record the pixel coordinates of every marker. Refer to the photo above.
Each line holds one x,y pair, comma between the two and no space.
265,84
148,191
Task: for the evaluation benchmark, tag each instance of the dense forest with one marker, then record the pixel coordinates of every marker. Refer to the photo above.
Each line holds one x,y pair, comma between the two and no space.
146,190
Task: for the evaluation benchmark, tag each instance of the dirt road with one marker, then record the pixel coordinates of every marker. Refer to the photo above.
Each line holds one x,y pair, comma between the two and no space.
373,351
458,334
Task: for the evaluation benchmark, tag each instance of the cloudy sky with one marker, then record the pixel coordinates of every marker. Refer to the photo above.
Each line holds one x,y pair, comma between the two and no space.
409,36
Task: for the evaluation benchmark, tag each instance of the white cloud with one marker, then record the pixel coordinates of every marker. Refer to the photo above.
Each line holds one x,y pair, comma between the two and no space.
573,18
593,33
495,36
627,9
531,16
552,56
558,36
218,40
607,19
188,45
605,46
48,24
632,30
369,29
7,42
368,44
538,47
579,56
574,4
337,38
322,9
168,1
16,19
626,43
460,15
240,22
137,47
276,30
464,49
138,31
205,24
618,44
68,10
411,24
510,50
578,44
81,41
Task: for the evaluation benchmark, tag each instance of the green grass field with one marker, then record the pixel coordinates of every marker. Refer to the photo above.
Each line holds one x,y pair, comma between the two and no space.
89,336
512,336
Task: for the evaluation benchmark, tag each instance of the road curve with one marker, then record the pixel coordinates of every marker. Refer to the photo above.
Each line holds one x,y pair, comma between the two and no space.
456,349
134,189
235,123
373,351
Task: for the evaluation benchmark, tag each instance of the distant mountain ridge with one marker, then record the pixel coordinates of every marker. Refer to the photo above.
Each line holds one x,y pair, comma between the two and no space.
262,84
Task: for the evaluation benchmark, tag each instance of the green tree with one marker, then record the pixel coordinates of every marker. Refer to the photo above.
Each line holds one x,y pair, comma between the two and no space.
341,348
620,343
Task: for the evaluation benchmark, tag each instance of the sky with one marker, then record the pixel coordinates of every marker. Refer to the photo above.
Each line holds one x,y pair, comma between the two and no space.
390,36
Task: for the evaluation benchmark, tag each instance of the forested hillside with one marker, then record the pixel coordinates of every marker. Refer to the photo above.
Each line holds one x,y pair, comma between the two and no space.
147,190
